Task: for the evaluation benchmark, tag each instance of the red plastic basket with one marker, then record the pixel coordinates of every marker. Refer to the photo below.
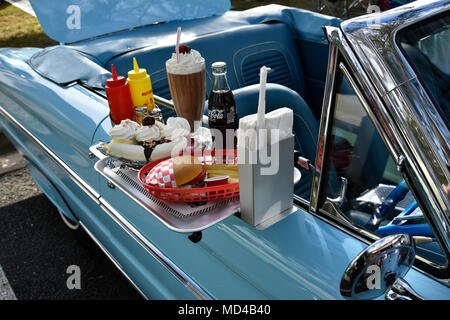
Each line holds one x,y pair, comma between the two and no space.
195,194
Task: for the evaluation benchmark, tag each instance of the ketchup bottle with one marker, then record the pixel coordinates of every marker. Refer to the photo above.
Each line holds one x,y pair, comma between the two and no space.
119,98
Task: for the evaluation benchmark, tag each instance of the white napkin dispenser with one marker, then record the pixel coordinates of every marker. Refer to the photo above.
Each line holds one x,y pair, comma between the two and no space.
266,183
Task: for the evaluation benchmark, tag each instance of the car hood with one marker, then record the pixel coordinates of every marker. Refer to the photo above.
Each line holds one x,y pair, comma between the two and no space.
68,21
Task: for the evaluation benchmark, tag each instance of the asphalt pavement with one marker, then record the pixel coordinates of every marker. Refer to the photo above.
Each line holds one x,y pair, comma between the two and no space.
38,253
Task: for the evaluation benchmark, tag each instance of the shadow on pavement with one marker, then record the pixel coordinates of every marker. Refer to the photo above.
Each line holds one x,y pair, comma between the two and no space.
36,249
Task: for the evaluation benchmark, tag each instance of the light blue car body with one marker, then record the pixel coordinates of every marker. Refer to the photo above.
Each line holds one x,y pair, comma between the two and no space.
300,257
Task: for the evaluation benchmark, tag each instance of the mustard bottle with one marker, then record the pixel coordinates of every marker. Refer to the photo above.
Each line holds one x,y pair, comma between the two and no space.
140,87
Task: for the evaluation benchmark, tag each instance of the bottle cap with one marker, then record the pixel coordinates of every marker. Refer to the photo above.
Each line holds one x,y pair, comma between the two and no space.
137,73
142,110
219,67
115,80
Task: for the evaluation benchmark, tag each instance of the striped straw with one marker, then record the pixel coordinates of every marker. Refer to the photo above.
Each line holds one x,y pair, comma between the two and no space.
177,46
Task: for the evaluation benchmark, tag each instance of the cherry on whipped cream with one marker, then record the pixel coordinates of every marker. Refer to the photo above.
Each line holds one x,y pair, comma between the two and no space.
148,121
184,49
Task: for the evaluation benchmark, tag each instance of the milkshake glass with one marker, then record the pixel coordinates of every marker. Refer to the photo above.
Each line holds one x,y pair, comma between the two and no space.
187,82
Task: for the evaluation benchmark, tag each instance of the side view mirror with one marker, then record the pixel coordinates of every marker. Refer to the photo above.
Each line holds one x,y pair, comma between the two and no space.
379,269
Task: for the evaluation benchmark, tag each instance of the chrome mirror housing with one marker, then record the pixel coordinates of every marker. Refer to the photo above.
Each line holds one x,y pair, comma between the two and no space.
377,268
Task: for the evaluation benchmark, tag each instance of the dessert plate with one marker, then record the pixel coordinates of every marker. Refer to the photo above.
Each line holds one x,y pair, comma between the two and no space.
99,150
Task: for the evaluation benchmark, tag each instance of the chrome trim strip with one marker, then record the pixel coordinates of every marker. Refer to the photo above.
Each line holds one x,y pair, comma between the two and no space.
111,258
154,251
75,178
324,122
338,44
135,234
163,102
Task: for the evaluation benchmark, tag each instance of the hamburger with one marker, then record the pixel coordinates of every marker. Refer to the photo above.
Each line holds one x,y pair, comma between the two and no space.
188,171
178,172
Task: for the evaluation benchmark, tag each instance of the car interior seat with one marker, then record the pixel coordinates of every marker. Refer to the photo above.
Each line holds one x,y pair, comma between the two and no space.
305,127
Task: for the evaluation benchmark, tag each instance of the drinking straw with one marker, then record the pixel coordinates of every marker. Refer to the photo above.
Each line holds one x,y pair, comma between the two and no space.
260,118
177,46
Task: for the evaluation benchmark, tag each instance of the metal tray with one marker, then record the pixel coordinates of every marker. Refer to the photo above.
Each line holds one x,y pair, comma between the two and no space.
179,217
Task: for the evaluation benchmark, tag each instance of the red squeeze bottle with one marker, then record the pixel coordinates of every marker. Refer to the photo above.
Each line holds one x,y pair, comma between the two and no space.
119,98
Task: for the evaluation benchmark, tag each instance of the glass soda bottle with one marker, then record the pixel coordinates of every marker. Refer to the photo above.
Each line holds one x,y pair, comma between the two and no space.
222,113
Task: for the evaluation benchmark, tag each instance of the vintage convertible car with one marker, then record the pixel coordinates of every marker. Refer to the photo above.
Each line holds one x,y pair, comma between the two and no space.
371,106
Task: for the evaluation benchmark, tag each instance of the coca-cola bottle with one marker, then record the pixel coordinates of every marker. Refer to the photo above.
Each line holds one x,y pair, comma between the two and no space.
222,113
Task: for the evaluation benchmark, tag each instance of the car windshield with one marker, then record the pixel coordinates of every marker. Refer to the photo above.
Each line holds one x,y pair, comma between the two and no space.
427,46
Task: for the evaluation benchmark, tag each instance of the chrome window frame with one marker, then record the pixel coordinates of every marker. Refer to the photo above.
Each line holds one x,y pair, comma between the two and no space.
424,101
413,112
388,131
339,45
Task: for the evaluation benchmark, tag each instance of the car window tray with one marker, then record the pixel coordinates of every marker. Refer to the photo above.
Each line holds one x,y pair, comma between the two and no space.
179,217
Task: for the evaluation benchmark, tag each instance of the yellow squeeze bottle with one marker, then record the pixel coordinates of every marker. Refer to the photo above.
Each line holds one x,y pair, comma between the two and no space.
140,87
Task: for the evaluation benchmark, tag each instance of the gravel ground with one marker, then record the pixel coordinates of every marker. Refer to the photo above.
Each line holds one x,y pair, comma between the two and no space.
17,186
36,249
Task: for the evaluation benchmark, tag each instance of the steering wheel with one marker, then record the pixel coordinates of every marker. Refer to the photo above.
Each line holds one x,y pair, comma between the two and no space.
386,208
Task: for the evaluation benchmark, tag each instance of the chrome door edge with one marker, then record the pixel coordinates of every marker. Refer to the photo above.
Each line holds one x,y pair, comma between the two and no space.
117,217
111,258
324,123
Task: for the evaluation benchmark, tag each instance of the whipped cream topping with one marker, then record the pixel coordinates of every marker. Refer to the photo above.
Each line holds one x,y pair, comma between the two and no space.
203,137
176,127
191,62
126,130
150,133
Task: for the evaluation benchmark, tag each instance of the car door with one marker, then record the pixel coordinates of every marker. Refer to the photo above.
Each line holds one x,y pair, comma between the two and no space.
362,182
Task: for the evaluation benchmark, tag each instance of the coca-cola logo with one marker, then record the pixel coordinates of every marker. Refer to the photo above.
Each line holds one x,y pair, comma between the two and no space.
215,114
